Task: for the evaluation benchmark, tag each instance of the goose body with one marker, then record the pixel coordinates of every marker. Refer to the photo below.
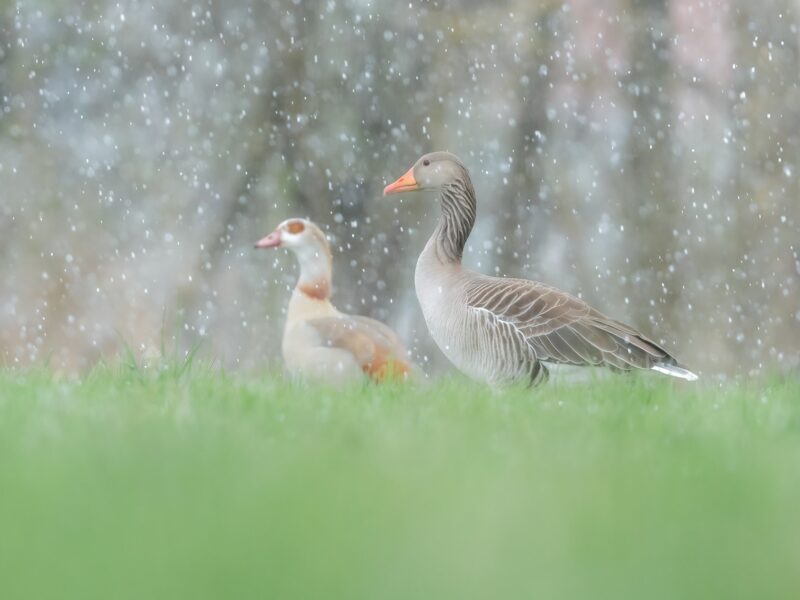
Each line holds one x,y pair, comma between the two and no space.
504,330
320,342
463,333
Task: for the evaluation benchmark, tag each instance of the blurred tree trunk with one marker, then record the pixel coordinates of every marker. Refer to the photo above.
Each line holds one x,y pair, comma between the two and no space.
522,222
766,138
652,203
281,102
374,248
6,49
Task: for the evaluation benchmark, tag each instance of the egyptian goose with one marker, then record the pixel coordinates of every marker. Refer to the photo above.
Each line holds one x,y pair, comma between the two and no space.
319,342
502,330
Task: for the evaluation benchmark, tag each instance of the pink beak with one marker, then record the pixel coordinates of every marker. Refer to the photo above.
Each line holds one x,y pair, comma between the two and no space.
273,240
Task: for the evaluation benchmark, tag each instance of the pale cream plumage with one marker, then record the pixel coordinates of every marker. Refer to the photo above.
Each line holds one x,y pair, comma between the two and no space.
319,342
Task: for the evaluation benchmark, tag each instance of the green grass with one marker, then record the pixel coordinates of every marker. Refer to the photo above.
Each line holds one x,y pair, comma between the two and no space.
193,484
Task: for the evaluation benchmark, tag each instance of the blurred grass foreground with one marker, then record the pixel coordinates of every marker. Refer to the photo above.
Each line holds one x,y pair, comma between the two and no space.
200,485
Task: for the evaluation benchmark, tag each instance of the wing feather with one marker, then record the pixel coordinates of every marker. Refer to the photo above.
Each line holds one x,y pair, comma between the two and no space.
561,328
376,348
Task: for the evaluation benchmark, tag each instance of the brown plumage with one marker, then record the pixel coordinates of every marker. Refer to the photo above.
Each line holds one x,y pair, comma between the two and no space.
501,329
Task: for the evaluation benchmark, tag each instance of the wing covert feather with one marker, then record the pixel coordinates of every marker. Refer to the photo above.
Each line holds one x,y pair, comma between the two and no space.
374,345
561,328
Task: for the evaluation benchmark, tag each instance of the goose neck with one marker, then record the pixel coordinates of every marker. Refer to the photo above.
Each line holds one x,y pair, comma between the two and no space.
458,204
315,273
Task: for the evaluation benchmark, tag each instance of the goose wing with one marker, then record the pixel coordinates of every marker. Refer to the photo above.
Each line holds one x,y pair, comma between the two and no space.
376,348
561,328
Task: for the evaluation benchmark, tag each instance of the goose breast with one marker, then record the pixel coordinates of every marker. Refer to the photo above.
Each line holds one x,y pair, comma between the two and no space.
475,340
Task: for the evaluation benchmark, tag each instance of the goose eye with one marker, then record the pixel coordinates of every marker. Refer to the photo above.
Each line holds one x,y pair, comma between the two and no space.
295,227
426,162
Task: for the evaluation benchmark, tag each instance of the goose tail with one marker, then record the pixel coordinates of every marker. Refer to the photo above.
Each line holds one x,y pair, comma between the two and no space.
675,370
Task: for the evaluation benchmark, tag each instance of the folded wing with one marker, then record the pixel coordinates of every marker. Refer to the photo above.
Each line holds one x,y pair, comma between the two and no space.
376,348
563,329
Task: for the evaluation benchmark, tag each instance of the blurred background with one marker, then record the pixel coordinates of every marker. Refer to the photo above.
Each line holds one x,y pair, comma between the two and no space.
641,154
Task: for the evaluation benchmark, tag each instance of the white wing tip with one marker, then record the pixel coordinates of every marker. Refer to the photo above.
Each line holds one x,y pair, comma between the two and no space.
675,371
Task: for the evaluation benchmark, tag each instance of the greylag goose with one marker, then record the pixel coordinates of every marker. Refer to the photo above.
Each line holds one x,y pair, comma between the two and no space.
501,330
319,342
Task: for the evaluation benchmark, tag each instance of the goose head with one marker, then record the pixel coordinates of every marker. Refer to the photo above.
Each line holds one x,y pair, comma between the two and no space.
310,246
299,236
433,171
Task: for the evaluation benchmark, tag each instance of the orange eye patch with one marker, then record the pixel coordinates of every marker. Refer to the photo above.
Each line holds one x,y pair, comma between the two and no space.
295,227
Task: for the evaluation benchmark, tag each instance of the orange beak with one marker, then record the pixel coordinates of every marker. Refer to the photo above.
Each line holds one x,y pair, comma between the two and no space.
406,183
